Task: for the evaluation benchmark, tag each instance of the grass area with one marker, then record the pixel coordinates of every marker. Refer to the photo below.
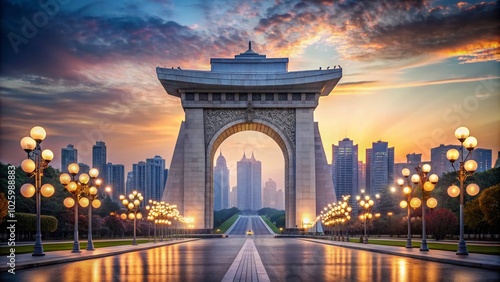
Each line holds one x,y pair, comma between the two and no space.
67,246
270,224
487,250
225,226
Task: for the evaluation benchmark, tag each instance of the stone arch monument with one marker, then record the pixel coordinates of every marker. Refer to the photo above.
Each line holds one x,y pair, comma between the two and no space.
249,92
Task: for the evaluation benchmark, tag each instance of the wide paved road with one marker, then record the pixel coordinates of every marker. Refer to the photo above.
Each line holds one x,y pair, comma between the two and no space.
253,223
283,259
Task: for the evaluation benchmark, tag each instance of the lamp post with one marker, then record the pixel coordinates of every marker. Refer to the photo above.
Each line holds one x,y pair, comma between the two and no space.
134,212
466,168
405,204
425,182
34,165
366,203
80,189
93,196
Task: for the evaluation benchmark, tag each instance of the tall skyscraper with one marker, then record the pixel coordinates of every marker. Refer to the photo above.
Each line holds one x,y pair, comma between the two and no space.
139,178
115,177
440,163
129,184
221,184
99,159
483,157
379,167
85,168
345,169
249,179
234,197
69,155
155,175
280,200
269,194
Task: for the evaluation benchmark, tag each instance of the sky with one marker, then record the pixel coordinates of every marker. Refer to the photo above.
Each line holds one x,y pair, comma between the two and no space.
413,71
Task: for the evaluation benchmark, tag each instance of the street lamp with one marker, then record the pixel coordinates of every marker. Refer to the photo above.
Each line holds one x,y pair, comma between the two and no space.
83,191
133,211
336,214
366,203
34,165
425,182
466,168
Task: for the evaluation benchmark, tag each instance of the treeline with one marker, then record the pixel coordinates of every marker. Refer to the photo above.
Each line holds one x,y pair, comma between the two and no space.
277,217
222,215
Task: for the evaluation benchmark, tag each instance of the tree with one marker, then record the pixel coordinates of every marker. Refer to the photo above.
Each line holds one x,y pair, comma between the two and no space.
489,202
441,222
474,218
114,224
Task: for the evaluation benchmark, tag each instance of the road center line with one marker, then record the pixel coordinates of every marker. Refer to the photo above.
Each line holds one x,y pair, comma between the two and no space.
247,257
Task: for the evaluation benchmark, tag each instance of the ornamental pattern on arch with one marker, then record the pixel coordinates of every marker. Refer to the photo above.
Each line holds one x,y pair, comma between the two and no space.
283,119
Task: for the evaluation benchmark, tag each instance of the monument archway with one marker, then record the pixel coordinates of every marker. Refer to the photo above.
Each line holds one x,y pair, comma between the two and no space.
249,92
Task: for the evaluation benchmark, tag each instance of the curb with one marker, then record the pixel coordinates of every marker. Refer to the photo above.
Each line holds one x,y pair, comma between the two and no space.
59,260
489,266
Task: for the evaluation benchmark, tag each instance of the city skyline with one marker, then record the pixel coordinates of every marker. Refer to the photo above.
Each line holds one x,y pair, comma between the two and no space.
409,78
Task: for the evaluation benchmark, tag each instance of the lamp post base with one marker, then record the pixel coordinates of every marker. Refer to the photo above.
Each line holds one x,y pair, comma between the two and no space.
365,240
462,249
423,246
38,250
76,248
408,243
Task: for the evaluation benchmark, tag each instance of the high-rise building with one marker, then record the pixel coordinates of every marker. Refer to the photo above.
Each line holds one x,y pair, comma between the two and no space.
483,157
269,194
345,169
221,184
497,163
155,178
99,159
413,158
441,164
129,184
115,177
280,200
69,155
84,168
361,175
249,179
379,167
234,197
139,178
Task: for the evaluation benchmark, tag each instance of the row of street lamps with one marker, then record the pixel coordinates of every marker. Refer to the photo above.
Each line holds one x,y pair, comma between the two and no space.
336,214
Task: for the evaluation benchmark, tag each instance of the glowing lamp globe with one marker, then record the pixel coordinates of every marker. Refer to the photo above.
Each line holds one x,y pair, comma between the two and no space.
415,203
452,155
428,186
84,202
406,190
47,190
93,172
405,172
415,178
470,165
433,178
141,198
47,155
131,216
403,204
370,215
73,168
130,206
453,191
28,165
64,178
122,197
125,202
137,202
470,143
28,144
462,133
98,182
28,190
131,196
370,202
92,190
123,216
139,216
134,193
472,189
84,178
69,202
72,186
96,204
426,168
432,203
362,203
38,133
401,182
